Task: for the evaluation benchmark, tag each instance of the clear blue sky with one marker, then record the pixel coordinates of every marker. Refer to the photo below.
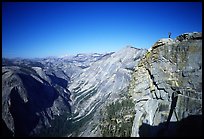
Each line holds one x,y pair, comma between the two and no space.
41,29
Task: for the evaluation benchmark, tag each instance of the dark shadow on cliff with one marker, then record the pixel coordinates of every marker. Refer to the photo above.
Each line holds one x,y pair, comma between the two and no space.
5,132
187,127
39,97
58,81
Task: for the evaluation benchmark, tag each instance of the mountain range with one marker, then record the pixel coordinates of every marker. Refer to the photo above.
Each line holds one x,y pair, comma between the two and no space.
132,92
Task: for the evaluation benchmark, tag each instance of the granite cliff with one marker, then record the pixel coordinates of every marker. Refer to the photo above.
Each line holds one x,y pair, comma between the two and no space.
166,86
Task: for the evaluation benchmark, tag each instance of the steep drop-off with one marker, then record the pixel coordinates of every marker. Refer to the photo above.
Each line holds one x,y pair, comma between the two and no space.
166,86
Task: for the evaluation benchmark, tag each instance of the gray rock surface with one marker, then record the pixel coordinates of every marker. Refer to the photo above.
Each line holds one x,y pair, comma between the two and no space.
167,83
30,99
102,83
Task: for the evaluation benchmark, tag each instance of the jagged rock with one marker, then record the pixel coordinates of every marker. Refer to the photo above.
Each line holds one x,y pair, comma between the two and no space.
188,36
169,67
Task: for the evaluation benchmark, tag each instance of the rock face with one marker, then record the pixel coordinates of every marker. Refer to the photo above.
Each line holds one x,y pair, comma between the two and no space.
31,98
102,83
166,85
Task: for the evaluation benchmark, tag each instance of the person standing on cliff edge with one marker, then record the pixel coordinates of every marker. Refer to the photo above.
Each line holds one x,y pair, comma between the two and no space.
169,34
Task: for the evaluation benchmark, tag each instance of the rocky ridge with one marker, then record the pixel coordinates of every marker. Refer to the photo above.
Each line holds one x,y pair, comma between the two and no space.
166,85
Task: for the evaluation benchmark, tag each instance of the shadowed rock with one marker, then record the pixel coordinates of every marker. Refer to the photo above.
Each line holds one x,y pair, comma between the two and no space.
187,127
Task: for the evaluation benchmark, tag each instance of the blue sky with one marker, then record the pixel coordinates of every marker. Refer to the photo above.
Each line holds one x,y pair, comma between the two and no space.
41,29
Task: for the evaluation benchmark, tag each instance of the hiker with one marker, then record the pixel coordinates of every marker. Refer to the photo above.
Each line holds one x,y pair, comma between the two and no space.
169,34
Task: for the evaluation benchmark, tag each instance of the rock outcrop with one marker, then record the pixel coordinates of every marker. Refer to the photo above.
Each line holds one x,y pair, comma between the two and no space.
166,85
